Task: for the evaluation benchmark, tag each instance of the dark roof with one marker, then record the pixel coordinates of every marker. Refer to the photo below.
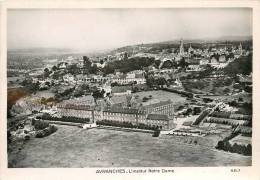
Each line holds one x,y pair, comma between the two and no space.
76,107
139,76
123,110
158,117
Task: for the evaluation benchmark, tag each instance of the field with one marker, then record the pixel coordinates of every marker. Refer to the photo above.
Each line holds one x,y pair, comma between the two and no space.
156,97
241,140
74,147
161,96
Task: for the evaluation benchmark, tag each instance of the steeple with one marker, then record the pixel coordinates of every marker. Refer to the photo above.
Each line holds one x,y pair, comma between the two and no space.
240,49
190,49
181,48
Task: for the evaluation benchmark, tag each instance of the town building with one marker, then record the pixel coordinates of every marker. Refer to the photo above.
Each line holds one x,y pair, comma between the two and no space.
181,53
158,114
162,107
123,79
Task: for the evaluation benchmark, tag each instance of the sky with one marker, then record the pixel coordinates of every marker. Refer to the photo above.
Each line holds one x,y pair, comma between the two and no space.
100,29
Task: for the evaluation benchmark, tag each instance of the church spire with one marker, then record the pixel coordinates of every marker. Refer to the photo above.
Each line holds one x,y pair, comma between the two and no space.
181,48
240,49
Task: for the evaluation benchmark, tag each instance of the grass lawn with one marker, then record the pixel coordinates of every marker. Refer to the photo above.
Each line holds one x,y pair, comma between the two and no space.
243,140
160,96
74,147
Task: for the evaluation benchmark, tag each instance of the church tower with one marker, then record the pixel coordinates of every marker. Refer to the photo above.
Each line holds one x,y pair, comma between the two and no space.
190,49
181,48
240,49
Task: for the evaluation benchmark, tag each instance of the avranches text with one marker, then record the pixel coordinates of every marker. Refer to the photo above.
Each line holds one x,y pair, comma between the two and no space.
122,171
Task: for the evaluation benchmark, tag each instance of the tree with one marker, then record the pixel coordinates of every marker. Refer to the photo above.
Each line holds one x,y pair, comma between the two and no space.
125,56
78,92
226,90
54,68
233,103
98,94
243,65
157,63
160,81
47,83
167,64
73,69
46,72
145,99
93,69
86,65
248,150
114,84
220,145
248,89
128,101
156,133
189,111
227,146
207,71
183,63
196,110
240,99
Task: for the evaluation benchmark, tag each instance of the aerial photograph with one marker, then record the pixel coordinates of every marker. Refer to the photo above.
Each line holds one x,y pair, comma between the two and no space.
129,87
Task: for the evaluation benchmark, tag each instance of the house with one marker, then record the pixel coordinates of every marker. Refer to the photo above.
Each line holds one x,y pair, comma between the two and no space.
129,78
97,78
204,61
193,67
222,58
161,107
160,120
177,84
68,78
153,115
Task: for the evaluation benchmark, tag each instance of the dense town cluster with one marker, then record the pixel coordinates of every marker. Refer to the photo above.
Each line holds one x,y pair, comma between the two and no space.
120,88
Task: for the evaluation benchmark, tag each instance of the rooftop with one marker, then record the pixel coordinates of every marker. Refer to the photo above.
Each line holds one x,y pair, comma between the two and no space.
162,117
123,110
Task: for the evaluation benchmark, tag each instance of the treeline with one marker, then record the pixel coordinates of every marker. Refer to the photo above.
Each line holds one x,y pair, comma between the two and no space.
64,118
232,122
244,130
43,128
201,117
229,115
188,94
243,65
127,125
127,65
39,125
234,148
46,132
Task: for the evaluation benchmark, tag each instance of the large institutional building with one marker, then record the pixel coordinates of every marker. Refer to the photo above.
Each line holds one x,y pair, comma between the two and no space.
158,114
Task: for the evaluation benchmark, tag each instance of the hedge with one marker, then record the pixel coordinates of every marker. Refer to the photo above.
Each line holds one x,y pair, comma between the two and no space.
127,125
201,117
46,132
64,118
235,148
226,121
